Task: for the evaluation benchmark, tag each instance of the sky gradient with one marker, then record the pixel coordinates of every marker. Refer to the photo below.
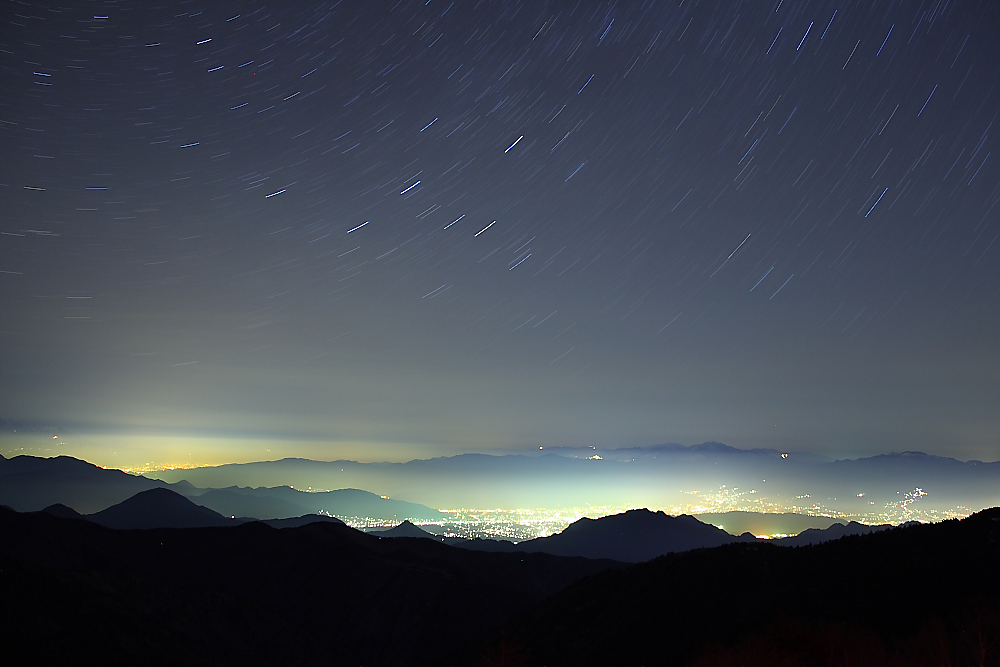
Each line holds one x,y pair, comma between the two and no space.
234,231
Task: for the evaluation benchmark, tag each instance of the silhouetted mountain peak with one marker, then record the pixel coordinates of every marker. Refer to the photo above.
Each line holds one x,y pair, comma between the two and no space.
636,519
158,508
297,521
60,510
632,536
30,483
405,529
808,608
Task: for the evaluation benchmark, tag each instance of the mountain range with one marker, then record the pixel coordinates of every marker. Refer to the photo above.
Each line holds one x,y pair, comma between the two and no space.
663,475
29,483
920,594
630,537
164,508
158,508
75,592
284,502
834,532
323,593
633,536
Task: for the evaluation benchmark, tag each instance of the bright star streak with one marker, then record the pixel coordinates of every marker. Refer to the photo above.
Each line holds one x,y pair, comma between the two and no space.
359,226
484,228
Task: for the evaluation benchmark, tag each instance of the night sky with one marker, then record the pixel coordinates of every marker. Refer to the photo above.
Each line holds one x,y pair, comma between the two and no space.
236,231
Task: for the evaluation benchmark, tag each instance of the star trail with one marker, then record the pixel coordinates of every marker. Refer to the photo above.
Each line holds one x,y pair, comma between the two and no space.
239,230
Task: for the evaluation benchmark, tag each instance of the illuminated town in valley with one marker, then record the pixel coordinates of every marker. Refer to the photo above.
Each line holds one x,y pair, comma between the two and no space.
524,524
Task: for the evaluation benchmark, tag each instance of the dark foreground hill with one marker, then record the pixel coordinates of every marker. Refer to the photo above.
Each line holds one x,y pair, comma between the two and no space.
912,595
74,592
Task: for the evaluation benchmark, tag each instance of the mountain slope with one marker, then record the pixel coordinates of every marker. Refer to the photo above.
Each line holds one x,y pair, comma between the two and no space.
405,529
234,501
323,594
60,510
282,502
633,536
158,508
912,595
299,521
633,476
31,483
834,532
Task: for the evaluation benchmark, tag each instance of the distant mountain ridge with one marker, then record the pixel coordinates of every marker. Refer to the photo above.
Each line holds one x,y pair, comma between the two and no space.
632,476
883,484
834,532
284,502
29,483
633,536
165,508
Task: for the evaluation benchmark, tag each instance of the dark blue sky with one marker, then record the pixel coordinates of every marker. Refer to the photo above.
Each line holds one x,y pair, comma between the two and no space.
233,230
